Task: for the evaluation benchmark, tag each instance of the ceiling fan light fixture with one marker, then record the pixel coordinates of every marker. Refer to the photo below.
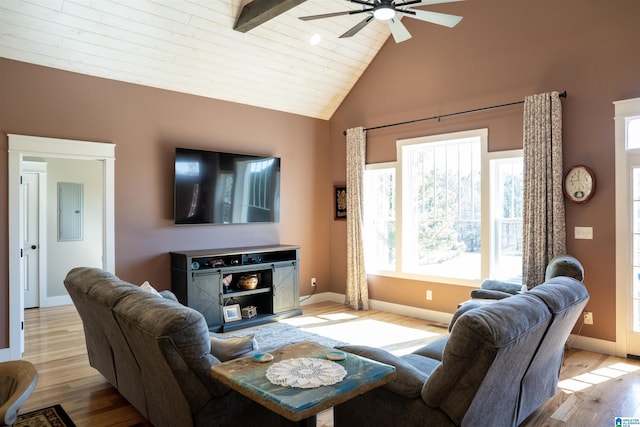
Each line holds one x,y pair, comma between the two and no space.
384,13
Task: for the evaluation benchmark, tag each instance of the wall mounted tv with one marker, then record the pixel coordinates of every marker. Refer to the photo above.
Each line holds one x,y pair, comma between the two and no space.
213,187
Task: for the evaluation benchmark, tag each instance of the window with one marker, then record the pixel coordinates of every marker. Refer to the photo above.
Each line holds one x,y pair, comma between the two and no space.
380,217
633,132
506,193
437,221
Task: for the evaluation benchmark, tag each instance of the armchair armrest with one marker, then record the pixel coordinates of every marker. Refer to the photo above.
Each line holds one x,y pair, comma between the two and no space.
434,349
408,381
489,294
499,285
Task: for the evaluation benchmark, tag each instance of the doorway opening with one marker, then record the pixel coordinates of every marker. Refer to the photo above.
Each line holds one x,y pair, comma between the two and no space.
21,147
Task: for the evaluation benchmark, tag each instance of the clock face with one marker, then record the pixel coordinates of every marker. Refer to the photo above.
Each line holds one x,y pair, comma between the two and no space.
579,184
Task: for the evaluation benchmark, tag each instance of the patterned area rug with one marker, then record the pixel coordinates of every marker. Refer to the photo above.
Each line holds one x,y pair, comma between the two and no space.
53,416
276,335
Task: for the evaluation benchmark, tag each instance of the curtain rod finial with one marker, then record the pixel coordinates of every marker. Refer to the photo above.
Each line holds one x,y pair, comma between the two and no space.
563,94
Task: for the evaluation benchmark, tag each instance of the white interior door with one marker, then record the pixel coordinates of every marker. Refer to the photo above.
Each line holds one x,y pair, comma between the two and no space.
31,235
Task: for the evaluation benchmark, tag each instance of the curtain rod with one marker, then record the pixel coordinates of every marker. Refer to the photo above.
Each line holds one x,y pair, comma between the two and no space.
562,95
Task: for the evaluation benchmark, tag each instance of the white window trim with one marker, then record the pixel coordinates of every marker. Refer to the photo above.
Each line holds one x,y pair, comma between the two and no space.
483,133
377,166
498,155
486,230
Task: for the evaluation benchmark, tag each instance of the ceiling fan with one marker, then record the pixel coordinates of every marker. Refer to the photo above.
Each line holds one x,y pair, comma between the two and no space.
389,10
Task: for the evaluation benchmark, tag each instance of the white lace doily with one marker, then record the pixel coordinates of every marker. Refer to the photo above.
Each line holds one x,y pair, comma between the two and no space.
305,372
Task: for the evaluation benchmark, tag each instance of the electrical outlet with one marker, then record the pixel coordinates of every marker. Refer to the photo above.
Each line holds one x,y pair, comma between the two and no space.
313,282
588,318
429,295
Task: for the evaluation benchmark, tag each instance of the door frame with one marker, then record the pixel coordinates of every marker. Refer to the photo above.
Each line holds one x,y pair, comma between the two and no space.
33,146
624,261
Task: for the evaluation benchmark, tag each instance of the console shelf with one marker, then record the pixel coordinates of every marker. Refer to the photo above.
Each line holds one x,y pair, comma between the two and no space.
207,281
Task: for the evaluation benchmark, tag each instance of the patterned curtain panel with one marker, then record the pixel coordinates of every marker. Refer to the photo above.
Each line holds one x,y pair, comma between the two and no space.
357,293
544,234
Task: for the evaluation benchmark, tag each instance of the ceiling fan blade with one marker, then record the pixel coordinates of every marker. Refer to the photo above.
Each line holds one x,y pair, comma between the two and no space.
433,17
369,3
424,2
360,25
398,30
330,15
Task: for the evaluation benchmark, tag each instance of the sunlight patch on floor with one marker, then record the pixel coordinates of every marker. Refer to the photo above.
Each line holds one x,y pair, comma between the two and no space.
303,320
339,316
597,376
373,333
311,320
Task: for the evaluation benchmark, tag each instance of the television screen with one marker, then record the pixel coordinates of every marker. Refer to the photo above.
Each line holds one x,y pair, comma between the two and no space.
225,188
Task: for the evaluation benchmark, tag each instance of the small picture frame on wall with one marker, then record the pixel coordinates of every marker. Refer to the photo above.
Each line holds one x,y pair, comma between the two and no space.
340,201
231,313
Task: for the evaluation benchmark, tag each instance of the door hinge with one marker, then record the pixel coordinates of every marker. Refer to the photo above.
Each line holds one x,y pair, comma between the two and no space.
21,252
20,179
22,326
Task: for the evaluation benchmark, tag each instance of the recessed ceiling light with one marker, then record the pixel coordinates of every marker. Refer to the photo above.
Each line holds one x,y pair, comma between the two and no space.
315,39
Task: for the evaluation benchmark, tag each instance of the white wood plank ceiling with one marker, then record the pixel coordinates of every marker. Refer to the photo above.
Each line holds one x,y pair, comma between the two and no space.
190,46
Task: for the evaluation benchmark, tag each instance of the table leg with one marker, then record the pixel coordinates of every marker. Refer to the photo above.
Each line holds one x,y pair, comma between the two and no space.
308,422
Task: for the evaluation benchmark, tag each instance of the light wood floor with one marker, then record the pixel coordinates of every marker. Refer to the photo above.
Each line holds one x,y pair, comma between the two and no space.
595,388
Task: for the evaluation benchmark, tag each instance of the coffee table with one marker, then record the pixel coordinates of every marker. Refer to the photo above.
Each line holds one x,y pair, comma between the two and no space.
248,378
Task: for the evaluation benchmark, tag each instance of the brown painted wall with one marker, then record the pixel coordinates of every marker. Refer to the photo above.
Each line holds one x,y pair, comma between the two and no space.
502,51
146,124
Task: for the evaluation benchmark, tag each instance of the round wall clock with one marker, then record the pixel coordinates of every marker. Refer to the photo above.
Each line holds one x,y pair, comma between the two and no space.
579,184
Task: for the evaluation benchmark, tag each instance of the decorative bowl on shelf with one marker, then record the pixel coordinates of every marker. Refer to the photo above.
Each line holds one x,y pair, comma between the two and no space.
248,282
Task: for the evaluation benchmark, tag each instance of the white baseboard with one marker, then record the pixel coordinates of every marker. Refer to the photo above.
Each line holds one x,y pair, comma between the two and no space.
322,297
575,341
593,344
418,313
404,310
5,354
54,301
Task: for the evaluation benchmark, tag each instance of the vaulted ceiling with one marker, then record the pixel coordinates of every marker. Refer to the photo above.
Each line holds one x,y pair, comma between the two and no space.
191,46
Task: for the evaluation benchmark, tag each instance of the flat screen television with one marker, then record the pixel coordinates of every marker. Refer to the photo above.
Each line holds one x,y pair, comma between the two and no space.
214,187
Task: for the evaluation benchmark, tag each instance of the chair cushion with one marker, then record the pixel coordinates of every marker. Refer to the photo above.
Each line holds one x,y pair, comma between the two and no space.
7,387
408,381
227,348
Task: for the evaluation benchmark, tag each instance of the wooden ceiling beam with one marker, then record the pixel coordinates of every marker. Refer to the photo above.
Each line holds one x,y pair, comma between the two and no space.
260,11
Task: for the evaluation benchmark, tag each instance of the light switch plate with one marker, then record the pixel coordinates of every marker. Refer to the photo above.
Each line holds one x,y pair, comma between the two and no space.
584,233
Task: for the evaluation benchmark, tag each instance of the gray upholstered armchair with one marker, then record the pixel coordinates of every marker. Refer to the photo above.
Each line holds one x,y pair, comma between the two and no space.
495,290
500,362
18,378
562,265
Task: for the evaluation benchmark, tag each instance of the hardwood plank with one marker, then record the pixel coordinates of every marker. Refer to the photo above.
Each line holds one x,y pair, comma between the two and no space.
594,388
